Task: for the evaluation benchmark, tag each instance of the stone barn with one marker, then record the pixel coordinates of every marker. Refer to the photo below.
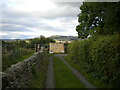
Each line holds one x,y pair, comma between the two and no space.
56,48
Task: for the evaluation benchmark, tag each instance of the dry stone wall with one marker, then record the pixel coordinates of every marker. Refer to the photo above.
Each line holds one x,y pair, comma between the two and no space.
18,75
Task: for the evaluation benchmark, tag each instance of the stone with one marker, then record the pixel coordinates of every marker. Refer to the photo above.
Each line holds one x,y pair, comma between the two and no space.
18,75
6,79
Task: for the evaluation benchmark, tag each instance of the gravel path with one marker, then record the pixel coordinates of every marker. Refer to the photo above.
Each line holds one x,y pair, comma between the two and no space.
50,75
80,77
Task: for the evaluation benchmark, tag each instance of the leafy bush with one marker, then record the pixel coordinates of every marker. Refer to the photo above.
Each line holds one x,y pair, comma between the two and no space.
98,55
14,56
80,50
104,53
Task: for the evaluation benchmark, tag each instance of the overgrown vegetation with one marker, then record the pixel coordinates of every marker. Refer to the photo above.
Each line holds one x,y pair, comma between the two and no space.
99,57
64,78
8,60
13,52
17,50
41,40
39,74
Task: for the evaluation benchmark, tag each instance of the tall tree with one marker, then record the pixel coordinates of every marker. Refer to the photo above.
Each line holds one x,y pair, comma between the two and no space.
98,18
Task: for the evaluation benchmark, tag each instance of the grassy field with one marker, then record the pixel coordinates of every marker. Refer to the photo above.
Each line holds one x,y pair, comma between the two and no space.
6,63
64,78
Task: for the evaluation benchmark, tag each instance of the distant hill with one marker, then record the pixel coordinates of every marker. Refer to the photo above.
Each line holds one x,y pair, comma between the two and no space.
9,40
65,38
56,37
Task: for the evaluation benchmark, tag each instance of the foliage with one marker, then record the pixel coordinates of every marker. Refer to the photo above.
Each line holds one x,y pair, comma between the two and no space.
98,56
104,54
41,40
33,69
39,74
12,51
98,18
8,59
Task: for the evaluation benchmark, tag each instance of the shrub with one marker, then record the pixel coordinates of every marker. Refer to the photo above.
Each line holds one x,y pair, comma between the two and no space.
79,51
104,53
14,56
99,55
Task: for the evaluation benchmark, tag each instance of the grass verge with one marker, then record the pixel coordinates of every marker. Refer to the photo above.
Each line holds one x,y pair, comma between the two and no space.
64,78
88,76
39,77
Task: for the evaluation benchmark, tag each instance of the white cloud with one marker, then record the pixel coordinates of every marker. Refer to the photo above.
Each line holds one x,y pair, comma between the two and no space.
31,5
32,18
3,34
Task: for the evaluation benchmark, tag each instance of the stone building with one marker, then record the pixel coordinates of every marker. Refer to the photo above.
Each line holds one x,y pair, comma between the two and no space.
56,48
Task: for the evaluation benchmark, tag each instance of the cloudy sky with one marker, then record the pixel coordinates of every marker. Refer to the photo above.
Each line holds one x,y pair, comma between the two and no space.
31,18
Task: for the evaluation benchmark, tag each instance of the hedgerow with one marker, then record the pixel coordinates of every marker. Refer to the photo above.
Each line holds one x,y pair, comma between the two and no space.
99,56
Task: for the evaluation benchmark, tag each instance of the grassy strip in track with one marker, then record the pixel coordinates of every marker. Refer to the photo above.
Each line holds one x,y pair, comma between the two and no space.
64,78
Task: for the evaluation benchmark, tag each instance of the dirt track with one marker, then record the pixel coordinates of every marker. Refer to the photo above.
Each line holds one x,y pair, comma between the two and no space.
50,73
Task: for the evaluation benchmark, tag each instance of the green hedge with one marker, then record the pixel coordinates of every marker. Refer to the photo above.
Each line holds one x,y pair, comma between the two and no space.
99,55
104,53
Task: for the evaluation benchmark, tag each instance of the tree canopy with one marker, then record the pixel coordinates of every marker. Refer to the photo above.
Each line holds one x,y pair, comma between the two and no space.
98,18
